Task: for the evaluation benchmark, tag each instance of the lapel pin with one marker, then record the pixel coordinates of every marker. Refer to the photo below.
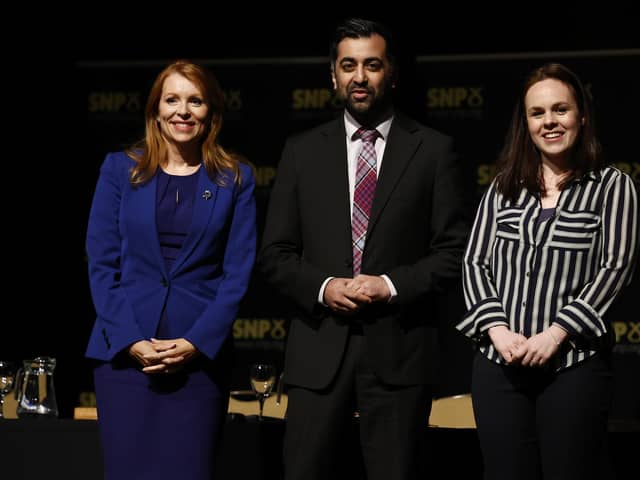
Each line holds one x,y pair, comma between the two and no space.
206,195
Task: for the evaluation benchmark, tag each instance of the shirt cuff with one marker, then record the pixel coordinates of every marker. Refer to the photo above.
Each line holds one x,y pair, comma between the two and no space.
392,288
321,292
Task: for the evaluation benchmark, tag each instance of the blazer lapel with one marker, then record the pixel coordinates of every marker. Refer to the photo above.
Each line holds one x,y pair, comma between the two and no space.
203,203
143,206
335,165
400,149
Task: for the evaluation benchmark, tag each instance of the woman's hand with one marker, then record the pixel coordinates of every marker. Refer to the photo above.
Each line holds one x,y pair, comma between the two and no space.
507,343
542,346
163,356
141,350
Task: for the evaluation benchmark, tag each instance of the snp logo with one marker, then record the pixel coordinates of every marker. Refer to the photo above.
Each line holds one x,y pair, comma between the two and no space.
87,399
114,102
485,174
627,332
632,169
314,99
233,100
259,329
265,176
454,98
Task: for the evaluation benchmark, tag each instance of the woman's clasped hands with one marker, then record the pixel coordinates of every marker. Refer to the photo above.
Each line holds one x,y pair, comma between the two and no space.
162,356
535,351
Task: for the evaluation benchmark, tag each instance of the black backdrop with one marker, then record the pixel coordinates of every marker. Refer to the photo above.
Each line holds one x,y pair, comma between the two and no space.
277,82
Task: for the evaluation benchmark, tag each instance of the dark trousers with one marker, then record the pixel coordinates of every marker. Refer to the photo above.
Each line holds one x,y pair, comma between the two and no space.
539,424
393,424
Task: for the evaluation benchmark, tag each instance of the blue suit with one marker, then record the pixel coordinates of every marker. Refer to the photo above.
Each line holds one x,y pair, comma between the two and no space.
199,295
129,281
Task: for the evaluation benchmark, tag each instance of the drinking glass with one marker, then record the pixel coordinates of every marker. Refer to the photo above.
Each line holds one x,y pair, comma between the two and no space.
262,377
7,374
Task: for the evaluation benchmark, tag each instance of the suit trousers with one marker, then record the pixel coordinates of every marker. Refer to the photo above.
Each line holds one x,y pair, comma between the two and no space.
540,424
392,423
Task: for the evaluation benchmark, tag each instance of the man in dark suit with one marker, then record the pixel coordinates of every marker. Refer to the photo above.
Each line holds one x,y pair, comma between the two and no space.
364,227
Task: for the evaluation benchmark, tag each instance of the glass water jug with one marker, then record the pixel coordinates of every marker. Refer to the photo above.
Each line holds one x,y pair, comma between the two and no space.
34,390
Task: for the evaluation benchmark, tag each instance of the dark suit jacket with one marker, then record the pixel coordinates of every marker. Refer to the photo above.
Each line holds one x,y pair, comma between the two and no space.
416,235
130,284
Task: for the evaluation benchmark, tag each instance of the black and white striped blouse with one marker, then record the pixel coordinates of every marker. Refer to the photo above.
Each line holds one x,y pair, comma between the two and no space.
565,270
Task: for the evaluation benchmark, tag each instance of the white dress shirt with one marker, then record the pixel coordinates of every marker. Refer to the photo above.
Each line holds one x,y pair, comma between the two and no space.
353,150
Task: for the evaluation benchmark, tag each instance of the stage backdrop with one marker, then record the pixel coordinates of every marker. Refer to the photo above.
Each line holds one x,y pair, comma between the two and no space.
468,97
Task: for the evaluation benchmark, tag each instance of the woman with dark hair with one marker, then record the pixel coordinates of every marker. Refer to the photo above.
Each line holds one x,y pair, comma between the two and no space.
553,243
171,243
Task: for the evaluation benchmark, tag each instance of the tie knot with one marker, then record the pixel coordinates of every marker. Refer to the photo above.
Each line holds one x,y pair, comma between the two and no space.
367,135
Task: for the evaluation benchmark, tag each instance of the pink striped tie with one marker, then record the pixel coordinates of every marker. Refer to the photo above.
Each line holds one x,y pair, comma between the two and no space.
365,188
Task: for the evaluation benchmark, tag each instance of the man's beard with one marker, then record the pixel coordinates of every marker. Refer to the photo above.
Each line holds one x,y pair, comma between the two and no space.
370,110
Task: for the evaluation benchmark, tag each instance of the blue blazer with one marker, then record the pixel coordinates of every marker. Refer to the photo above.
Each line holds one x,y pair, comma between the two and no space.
130,284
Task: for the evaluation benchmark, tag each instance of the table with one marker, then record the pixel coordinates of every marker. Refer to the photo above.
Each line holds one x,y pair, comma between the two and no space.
48,449
251,450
